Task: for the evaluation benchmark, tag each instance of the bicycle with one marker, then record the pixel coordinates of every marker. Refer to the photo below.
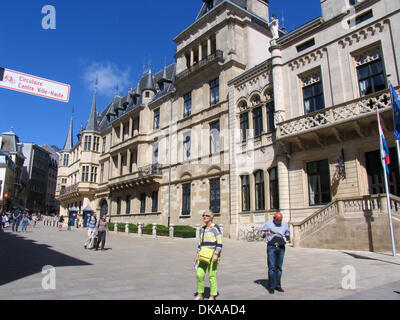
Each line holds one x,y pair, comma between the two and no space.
254,235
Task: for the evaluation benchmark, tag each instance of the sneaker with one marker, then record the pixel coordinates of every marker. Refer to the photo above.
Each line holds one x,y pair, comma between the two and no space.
271,291
211,298
198,298
279,289
85,246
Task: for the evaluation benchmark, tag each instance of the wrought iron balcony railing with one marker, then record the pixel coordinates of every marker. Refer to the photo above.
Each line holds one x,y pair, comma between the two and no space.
212,57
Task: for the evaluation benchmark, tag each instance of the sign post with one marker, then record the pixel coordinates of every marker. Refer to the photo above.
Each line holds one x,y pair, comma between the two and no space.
26,83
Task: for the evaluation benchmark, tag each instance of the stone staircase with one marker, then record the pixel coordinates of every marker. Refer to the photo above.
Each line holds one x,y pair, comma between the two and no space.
358,223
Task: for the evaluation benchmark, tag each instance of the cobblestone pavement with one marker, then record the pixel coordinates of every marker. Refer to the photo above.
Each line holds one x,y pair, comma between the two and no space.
162,269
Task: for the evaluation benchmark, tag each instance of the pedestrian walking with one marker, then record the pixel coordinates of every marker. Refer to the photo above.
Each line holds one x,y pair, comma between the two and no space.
208,256
17,216
60,222
35,219
25,222
102,230
91,225
275,232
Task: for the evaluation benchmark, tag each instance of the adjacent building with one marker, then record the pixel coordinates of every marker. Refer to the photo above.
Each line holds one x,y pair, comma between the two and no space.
12,185
251,120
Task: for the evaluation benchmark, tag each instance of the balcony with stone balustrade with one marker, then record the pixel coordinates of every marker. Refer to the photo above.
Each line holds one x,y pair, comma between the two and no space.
350,120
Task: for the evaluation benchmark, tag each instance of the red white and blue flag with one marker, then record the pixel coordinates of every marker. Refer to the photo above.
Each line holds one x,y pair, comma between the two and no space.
385,157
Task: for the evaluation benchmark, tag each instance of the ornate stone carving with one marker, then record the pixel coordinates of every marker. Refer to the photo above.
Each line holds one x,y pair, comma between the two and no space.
367,57
279,116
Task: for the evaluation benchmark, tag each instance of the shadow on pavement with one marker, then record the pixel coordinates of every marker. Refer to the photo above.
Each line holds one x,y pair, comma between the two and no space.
21,257
263,282
357,256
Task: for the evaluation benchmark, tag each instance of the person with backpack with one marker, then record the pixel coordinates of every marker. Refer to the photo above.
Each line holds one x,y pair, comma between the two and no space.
208,256
91,225
17,217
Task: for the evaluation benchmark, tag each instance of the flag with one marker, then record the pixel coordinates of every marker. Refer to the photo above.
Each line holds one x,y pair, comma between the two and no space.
385,157
396,112
1,74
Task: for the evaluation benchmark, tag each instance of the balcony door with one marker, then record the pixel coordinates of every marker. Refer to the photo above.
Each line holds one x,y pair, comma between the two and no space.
376,180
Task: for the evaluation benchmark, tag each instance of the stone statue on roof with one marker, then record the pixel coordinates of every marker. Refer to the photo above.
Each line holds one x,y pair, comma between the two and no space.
274,27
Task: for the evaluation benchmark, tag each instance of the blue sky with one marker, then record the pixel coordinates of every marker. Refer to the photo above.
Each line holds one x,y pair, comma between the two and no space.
113,38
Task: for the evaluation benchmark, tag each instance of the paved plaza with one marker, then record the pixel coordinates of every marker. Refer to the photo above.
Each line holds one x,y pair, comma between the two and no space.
162,269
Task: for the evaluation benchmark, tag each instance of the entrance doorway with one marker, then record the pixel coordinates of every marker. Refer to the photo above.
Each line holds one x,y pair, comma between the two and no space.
376,180
103,208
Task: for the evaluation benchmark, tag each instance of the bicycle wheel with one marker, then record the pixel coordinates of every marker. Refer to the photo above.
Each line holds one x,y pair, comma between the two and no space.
250,236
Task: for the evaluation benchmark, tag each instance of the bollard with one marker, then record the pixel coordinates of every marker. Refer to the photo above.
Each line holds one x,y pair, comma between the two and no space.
171,231
140,231
127,228
154,230
221,226
197,231
116,227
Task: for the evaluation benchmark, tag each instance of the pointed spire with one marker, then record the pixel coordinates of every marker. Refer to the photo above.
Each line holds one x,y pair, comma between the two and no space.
92,122
69,142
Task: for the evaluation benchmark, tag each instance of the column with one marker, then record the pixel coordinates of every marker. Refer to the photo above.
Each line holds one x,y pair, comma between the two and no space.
191,58
130,135
279,98
121,132
119,164
200,52
129,160
208,46
283,176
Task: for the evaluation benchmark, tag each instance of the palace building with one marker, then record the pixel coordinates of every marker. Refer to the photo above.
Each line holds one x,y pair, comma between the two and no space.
251,120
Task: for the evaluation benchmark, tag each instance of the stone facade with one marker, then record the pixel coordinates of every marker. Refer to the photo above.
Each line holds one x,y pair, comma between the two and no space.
247,123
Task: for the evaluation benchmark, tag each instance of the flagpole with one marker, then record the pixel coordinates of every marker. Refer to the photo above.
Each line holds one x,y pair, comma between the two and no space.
389,206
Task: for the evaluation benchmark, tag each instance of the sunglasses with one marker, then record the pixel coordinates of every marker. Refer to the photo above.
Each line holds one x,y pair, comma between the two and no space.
206,216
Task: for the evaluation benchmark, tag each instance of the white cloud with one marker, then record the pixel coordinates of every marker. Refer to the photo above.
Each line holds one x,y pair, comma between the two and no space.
109,77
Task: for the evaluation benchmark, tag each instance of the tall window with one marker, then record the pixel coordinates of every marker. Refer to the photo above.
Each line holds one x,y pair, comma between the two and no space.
186,147
214,92
214,137
118,205
66,160
157,119
271,116
260,190
258,122
244,126
319,182
155,153
245,193
186,199
128,205
93,175
88,143
104,145
154,201
371,77
273,188
313,96
187,105
96,143
215,196
85,174
142,203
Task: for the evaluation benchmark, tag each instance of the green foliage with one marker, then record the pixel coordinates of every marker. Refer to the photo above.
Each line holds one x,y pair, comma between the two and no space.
179,231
